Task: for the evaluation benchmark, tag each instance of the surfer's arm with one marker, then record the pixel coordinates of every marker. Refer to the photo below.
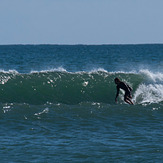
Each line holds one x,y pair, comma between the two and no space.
117,94
129,88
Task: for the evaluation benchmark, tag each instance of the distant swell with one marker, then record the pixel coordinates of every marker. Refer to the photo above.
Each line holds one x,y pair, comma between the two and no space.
72,88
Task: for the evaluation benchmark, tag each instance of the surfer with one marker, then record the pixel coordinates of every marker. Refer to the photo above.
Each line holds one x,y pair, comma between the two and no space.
126,88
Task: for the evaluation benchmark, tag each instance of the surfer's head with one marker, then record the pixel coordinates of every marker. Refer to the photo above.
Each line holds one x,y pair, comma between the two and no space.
117,80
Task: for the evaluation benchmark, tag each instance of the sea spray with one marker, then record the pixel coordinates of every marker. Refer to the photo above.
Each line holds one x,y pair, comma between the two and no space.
151,89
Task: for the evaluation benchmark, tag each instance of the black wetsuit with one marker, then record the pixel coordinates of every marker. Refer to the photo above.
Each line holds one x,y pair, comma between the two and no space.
126,88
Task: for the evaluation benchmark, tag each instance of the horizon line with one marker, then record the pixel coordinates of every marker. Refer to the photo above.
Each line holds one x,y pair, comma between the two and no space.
36,44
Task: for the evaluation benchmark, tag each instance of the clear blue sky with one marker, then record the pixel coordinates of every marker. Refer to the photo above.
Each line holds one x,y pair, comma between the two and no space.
81,21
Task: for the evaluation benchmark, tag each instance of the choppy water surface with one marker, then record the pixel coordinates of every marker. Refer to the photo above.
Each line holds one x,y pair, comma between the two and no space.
57,103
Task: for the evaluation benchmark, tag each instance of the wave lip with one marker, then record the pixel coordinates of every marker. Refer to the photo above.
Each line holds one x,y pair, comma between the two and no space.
59,69
154,77
9,71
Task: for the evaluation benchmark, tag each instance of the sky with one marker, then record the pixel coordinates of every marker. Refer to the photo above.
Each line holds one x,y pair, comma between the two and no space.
81,21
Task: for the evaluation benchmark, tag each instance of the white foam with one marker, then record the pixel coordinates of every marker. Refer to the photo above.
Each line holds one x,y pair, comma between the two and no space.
59,69
9,71
5,78
149,93
46,110
98,69
154,77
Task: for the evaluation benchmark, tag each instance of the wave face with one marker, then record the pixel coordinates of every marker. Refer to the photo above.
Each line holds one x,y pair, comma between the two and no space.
73,88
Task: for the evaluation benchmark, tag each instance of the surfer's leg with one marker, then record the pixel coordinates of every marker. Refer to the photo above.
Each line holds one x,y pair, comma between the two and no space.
128,100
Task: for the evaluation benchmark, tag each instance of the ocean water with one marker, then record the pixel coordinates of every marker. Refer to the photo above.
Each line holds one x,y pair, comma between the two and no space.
57,103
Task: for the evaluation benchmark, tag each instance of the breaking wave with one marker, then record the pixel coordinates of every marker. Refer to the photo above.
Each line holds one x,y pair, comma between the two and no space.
60,86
